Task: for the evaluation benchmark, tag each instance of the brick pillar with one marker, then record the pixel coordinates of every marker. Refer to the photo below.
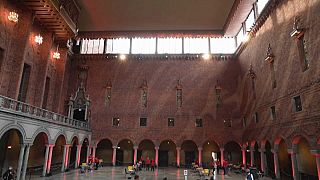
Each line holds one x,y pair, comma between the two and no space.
178,156
221,156
135,148
200,156
157,156
244,160
114,155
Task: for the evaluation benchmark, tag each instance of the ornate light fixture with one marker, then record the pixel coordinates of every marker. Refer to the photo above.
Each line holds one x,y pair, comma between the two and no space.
13,16
38,39
56,55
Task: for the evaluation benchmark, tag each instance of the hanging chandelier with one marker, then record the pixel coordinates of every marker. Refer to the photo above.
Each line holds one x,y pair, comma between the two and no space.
38,39
13,16
56,55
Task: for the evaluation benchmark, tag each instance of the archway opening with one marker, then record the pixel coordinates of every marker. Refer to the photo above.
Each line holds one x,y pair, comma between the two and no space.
307,161
284,161
257,156
167,154
248,156
209,149
84,149
73,153
104,151
10,149
37,153
269,160
146,149
232,152
124,154
57,154
189,153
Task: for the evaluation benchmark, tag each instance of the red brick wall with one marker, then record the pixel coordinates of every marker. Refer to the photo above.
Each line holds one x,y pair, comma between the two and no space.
291,80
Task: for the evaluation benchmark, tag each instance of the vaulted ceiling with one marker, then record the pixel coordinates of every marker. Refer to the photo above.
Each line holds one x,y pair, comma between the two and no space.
154,15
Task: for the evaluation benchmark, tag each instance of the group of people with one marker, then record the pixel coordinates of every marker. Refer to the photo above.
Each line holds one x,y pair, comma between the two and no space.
148,164
216,165
9,174
93,164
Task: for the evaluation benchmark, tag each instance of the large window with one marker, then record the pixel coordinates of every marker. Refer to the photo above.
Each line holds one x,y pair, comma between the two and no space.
92,46
222,45
240,37
261,4
143,45
170,45
250,21
196,45
118,46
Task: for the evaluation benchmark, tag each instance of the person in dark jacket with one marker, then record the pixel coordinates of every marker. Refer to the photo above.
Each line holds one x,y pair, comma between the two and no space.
9,174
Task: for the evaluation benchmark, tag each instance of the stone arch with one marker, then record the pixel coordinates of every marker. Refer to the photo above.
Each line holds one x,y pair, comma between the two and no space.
167,153
124,152
269,161
104,150
61,133
70,141
146,148
285,164
168,139
17,127
83,139
297,138
189,152
57,152
232,152
37,151
44,131
210,148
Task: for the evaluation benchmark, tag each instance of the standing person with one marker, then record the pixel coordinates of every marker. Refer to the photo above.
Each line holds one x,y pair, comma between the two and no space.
142,160
9,174
225,167
218,165
152,164
147,163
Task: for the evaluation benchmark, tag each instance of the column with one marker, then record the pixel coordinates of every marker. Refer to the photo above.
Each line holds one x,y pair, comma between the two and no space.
263,160
157,155
94,152
293,154
318,163
25,162
22,147
251,156
221,156
135,148
244,160
114,155
69,154
44,172
50,158
178,156
65,157
78,156
276,163
200,156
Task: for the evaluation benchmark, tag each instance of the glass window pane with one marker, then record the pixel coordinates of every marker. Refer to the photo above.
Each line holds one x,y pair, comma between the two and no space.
143,46
90,46
95,48
118,45
196,45
250,21
261,4
84,48
170,45
101,46
240,37
222,45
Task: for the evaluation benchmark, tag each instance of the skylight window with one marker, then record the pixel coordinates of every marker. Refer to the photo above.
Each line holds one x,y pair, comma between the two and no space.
170,45
118,46
143,45
240,37
222,45
261,4
196,45
250,21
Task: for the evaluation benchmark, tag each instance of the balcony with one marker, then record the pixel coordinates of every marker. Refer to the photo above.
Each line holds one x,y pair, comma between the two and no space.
11,106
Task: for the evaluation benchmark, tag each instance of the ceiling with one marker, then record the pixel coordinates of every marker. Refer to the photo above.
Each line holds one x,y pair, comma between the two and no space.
154,15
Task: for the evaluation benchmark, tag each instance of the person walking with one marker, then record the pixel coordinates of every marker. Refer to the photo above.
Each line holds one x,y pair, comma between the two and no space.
9,174
148,164
152,164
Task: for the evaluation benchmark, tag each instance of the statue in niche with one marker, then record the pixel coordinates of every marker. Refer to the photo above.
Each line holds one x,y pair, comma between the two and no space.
144,94
218,94
179,94
251,74
108,93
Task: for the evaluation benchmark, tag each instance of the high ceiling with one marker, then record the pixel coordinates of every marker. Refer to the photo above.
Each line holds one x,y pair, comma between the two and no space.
154,15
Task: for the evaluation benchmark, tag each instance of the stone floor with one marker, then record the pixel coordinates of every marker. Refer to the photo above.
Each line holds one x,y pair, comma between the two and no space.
112,173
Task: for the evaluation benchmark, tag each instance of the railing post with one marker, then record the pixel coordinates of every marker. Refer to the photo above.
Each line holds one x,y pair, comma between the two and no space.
1,101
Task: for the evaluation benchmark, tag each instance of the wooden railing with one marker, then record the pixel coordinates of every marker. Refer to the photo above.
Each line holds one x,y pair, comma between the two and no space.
33,112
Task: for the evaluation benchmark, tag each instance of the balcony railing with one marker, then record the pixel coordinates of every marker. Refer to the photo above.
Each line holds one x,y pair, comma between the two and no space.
33,112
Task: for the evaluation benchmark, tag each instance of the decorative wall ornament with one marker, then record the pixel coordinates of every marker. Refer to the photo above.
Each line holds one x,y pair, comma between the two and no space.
270,59
79,105
108,92
251,74
297,31
144,94
179,94
218,90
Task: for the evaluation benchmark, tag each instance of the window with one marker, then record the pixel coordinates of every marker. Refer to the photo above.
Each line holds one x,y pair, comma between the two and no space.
302,48
118,46
170,45
198,122
261,4
46,93
256,117
240,37
170,122
222,45
273,112
24,83
92,46
297,104
115,121
250,21
143,46
143,121
196,45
